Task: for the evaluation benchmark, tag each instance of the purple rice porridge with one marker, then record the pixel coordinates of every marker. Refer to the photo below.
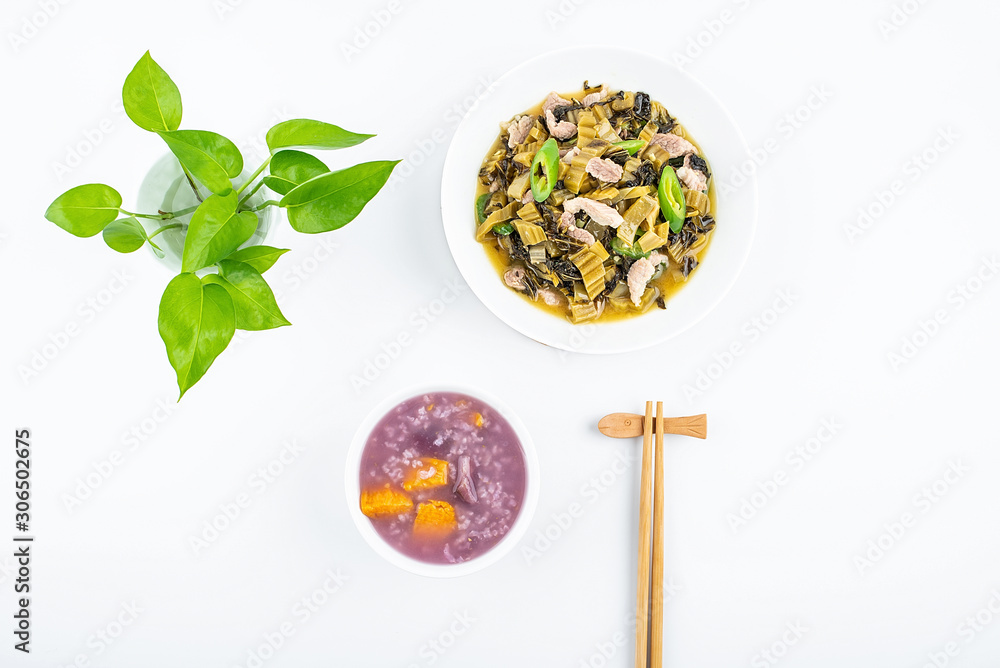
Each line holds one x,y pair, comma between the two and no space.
442,477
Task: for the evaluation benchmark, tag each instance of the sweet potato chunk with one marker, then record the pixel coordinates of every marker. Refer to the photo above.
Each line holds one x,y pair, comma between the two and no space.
435,519
426,473
385,501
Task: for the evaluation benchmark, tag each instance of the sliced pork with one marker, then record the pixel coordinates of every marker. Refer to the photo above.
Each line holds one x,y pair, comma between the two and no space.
567,155
559,129
519,129
638,276
692,178
673,144
604,170
601,213
553,101
551,297
514,278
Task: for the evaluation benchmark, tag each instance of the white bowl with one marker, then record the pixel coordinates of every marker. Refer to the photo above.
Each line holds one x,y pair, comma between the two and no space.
352,485
695,108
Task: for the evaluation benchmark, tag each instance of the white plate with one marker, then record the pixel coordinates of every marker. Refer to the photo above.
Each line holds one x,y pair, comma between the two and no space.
687,100
352,485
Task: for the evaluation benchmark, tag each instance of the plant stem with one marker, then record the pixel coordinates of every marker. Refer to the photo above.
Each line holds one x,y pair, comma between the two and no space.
159,216
151,216
254,176
182,212
264,205
164,228
249,194
191,182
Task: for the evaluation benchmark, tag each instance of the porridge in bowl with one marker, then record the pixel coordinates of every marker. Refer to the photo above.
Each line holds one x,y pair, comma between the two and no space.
442,477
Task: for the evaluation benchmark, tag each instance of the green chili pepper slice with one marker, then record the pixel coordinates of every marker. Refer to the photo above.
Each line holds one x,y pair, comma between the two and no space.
630,145
481,203
545,170
634,251
672,202
503,229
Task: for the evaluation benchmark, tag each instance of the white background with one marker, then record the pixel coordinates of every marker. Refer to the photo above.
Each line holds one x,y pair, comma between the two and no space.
826,357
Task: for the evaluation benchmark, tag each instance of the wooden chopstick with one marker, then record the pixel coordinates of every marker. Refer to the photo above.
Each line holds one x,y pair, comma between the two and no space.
656,626
642,595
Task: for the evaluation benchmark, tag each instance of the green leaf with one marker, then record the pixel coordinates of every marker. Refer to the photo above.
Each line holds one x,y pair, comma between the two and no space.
85,210
215,231
157,251
125,235
196,323
260,258
151,99
256,308
303,133
212,158
292,168
332,200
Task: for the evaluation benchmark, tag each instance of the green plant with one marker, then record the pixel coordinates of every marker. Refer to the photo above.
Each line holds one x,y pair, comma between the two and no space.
199,315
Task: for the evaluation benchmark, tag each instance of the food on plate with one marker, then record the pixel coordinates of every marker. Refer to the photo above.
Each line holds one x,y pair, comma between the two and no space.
443,477
596,205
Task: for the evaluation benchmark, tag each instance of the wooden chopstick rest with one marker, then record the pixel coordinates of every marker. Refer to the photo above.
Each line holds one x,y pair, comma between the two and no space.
630,425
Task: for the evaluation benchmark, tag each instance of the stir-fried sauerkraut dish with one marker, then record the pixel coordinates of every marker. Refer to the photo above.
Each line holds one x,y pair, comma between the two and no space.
596,205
